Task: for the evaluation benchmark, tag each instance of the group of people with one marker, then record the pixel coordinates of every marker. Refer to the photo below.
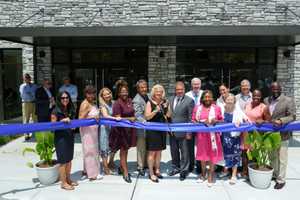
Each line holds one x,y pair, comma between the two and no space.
197,106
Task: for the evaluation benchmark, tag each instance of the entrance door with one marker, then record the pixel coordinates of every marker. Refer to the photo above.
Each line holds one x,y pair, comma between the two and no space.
82,78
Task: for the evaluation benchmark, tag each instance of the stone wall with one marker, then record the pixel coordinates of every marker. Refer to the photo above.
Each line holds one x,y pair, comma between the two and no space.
43,63
80,13
162,67
288,73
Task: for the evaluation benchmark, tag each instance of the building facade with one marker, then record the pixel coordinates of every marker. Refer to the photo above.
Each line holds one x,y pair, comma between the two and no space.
98,42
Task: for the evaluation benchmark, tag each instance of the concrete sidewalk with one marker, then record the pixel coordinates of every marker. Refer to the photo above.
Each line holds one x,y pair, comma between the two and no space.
17,181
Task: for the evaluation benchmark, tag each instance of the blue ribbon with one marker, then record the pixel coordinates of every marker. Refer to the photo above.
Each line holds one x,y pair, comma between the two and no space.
13,129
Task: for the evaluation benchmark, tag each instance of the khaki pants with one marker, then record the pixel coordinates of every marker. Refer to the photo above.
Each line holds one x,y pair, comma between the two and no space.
28,111
141,151
279,162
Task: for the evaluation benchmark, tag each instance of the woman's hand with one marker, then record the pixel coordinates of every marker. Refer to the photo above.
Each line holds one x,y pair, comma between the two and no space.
237,124
66,120
118,118
259,122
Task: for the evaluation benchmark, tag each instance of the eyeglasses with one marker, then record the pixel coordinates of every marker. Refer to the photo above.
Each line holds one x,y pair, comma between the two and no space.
64,97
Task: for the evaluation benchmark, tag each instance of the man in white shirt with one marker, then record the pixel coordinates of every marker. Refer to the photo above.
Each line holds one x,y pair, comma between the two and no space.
195,94
71,89
245,97
196,91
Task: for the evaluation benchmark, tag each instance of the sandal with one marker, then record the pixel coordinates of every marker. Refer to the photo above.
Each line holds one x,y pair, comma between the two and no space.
232,181
200,179
73,183
106,171
67,187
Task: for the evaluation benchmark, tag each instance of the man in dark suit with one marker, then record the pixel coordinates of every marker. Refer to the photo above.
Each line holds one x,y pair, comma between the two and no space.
181,107
44,101
282,110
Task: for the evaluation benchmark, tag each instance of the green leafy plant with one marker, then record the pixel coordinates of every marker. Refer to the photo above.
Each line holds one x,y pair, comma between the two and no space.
44,148
262,145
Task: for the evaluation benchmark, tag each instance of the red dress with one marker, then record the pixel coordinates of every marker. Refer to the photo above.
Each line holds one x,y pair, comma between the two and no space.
122,138
205,151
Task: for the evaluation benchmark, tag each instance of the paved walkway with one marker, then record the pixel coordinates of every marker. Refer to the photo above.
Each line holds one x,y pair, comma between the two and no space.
17,181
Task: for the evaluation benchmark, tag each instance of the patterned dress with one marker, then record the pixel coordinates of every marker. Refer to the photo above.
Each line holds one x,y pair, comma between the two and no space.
104,135
231,146
205,151
90,147
120,137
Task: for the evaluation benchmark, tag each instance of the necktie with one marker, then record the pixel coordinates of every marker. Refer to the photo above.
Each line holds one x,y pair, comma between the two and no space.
176,102
196,99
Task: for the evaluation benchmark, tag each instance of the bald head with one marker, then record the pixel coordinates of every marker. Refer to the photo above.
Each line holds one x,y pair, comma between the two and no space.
275,90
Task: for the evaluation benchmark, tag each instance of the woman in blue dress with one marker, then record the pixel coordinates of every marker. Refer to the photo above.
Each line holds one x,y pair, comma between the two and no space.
106,103
231,141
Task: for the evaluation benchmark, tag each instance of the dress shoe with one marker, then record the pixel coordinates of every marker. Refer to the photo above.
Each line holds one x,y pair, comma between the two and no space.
173,172
279,186
127,178
141,172
182,176
153,180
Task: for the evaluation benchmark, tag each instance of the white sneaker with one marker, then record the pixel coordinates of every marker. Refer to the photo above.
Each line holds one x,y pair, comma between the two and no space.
99,177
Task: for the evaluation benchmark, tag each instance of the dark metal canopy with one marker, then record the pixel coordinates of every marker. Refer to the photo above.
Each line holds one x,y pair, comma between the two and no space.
144,35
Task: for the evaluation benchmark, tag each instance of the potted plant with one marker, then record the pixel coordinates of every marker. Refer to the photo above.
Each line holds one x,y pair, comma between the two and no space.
47,168
262,145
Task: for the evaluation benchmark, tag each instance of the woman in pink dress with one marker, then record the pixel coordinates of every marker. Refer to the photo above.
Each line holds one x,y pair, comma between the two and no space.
89,135
209,147
258,113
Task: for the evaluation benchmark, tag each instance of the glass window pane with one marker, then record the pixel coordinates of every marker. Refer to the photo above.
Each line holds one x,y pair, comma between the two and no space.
61,56
12,56
266,56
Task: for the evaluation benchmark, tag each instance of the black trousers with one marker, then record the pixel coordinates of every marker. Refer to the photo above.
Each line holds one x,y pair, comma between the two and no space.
180,154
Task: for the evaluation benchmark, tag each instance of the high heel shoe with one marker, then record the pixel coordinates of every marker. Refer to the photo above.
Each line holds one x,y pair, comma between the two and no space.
127,178
120,171
153,180
158,175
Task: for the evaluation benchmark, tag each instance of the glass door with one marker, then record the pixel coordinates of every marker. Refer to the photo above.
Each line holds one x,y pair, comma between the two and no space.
84,77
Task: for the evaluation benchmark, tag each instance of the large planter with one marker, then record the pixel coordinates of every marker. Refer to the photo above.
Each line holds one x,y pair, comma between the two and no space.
47,175
260,179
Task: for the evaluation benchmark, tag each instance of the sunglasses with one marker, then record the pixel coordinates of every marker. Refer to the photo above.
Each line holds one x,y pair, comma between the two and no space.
64,97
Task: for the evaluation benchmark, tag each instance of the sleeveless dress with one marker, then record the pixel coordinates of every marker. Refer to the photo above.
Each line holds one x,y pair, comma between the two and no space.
104,135
156,140
63,139
90,147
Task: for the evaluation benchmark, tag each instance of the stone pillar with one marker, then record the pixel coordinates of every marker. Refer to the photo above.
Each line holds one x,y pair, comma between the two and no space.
288,73
43,63
162,67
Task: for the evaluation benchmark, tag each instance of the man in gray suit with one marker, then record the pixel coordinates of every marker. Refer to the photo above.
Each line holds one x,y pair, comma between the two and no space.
282,110
139,103
181,107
